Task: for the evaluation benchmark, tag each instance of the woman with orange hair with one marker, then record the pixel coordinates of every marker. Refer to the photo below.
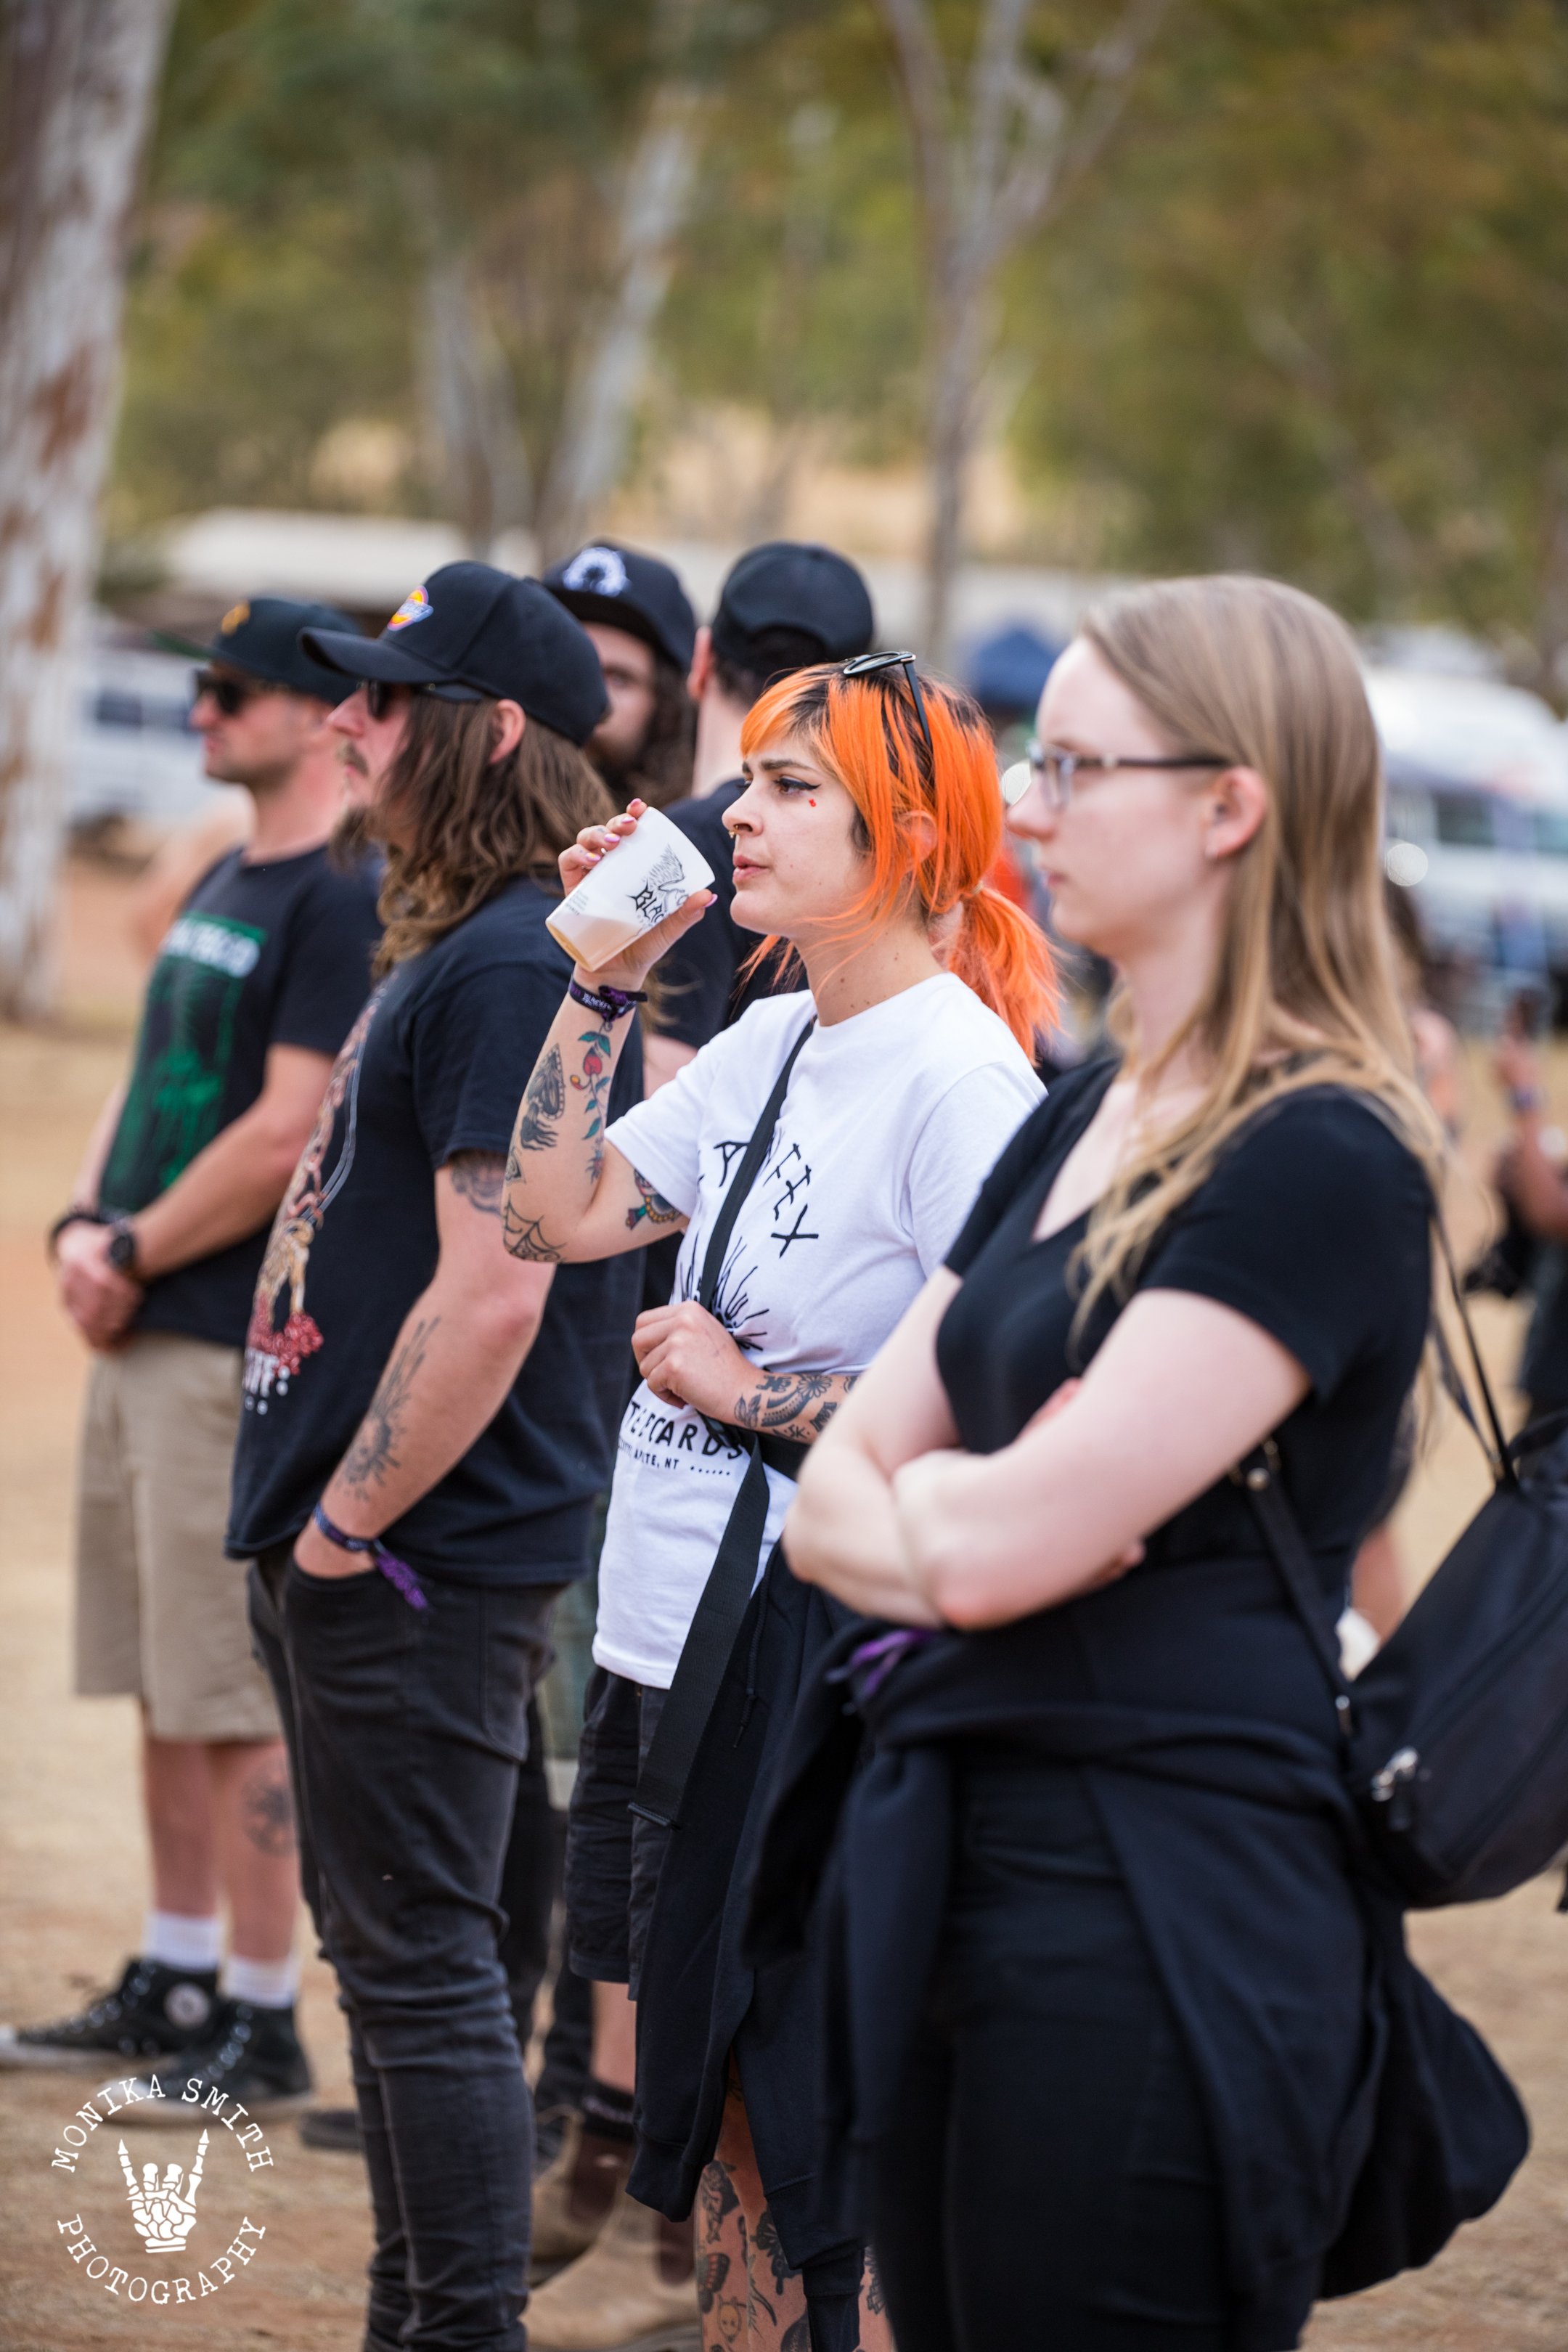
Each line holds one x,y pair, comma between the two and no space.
821,1155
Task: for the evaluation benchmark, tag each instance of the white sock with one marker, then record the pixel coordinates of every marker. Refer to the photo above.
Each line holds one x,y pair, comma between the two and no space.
177,1941
265,1984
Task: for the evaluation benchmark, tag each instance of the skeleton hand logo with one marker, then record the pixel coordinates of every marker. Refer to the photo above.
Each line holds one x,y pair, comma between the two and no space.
162,2215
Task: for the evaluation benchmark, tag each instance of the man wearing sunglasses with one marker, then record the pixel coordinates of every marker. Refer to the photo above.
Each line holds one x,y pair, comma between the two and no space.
255,986
428,1419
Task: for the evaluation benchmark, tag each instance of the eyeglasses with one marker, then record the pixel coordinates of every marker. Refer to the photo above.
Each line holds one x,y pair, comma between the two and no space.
872,665
230,694
1053,770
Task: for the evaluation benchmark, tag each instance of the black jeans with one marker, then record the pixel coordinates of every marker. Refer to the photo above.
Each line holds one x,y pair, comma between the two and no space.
1048,2177
406,1731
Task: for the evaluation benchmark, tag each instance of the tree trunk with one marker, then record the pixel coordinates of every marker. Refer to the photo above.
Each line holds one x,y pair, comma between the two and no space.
79,79
658,188
468,401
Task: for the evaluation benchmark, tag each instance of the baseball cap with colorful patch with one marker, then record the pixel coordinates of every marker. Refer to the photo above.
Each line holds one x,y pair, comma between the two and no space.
261,635
623,589
473,634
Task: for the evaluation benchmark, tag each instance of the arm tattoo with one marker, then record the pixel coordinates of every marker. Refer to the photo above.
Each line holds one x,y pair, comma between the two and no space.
653,1205
595,1083
478,1177
526,1237
542,1104
374,1451
782,1401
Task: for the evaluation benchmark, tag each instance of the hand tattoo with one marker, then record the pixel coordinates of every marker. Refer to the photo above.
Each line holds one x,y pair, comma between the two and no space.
542,1104
374,1451
653,1205
477,1177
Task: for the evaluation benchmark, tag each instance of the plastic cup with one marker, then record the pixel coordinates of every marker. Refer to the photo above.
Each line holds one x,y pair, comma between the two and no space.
649,874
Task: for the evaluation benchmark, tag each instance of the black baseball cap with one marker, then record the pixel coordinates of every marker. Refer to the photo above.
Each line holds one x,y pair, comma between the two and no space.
792,597
473,634
261,637
615,585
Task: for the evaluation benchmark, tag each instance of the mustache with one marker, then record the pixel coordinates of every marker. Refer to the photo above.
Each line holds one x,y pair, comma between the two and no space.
350,756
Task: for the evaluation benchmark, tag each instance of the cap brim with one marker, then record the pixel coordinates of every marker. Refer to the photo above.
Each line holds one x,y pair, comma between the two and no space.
378,658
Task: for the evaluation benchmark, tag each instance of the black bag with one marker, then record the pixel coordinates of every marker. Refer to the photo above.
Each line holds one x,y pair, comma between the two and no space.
1455,1733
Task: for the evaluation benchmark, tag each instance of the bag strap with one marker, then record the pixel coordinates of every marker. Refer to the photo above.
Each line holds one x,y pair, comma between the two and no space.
705,1655
1498,1451
1259,1475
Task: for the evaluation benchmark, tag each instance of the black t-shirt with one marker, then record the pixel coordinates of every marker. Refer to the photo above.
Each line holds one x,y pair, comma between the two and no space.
700,990
1315,1226
435,1065
260,955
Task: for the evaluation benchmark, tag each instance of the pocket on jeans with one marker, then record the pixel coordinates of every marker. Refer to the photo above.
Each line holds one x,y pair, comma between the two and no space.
354,1577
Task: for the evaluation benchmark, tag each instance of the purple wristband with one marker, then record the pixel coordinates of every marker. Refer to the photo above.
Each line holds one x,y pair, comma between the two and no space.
609,1003
396,1571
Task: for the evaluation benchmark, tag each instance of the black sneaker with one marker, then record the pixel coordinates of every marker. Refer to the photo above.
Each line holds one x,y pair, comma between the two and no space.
251,2056
152,2012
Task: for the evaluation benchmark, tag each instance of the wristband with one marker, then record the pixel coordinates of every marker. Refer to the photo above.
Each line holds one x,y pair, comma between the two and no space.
1523,1100
396,1571
609,1003
74,1217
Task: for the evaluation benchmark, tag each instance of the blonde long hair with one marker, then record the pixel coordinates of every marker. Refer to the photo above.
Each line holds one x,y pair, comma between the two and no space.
1305,990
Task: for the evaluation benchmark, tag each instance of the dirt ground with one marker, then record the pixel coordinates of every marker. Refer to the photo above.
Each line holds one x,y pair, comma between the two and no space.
71,1885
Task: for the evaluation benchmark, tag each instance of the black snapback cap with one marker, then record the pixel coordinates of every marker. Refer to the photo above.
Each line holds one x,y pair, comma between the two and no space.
605,582
795,590
261,637
475,633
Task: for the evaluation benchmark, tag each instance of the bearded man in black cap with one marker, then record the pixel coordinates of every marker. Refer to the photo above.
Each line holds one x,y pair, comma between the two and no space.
428,1420
643,631
254,989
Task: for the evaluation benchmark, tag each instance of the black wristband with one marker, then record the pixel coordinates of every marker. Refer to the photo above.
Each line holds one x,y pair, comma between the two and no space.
609,1003
74,1217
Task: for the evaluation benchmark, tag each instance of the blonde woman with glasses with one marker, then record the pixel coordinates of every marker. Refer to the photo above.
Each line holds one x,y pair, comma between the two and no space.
1113,2010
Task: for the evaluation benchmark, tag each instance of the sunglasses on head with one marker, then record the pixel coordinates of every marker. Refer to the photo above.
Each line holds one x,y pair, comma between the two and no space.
230,694
876,665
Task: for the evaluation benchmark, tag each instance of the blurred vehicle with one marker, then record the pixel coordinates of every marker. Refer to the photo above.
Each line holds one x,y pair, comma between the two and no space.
1478,830
134,755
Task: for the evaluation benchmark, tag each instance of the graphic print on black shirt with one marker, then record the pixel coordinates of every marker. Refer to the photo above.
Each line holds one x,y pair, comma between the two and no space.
435,1067
274,1352
261,954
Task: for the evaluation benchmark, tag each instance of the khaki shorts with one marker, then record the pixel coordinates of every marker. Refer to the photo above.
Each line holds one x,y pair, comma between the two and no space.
161,1613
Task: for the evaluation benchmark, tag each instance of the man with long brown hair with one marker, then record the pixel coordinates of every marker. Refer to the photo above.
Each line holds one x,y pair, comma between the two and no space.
426,1423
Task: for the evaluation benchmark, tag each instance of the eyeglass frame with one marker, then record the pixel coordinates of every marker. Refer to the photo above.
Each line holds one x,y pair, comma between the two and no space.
870,664
1040,759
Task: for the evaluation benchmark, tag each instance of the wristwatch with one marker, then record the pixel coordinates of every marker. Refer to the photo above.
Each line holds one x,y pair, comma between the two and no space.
122,1250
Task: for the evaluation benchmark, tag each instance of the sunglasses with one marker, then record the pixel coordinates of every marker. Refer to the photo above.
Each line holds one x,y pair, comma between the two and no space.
880,664
381,692
1053,770
230,694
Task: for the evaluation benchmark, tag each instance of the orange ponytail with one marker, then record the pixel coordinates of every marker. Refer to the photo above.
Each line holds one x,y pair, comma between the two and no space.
865,733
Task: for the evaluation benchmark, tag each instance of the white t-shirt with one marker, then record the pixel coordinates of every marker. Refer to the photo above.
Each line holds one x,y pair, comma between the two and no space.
891,1120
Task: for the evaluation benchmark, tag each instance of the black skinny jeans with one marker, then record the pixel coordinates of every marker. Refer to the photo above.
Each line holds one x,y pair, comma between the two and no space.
406,1731
1049,2179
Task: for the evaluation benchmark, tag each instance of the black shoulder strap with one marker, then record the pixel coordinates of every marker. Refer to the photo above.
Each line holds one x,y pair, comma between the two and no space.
1287,1549
661,1782
746,1175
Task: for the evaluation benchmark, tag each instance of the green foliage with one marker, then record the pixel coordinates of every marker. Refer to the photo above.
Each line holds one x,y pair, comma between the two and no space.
1315,320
